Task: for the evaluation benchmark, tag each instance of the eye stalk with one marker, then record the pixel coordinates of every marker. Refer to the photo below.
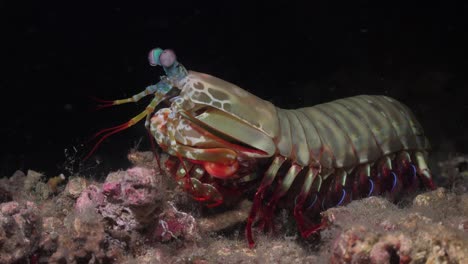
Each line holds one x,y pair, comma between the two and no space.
168,60
165,58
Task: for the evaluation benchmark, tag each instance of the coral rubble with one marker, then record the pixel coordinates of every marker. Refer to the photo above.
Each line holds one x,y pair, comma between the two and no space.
140,216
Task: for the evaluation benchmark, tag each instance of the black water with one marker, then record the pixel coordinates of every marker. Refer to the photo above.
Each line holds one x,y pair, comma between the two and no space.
56,54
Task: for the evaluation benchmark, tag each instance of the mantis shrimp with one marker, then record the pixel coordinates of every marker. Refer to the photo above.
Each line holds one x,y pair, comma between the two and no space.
323,156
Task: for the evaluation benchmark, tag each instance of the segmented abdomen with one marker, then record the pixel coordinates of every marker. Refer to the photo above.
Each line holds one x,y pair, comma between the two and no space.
348,132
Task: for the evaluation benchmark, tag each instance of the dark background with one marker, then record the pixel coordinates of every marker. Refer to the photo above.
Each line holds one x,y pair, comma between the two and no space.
56,54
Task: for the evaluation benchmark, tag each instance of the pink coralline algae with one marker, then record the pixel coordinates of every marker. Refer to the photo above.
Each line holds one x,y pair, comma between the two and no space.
20,230
373,230
117,199
136,187
135,217
174,224
133,200
133,197
90,197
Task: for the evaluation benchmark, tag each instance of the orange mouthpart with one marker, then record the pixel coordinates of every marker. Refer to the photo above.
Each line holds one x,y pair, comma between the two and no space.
219,170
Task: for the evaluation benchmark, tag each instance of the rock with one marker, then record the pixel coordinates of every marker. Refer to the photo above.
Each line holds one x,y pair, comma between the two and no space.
142,159
32,178
42,191
85,240
20,229
372,230
91,197
13,186
139,189
75,186
51,229
174,224
454,173
225,220
134,218
430,198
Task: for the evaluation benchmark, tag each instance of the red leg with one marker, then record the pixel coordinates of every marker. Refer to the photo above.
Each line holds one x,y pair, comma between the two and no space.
253,213
270,175
280,190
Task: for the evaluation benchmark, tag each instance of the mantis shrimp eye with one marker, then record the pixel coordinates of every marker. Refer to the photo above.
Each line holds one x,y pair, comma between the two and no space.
153,56
165,58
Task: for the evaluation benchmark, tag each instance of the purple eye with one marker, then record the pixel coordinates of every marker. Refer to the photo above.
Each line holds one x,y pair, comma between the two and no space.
167,58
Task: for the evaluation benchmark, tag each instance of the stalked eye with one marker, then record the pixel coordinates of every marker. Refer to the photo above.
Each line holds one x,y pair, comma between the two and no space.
153,56
167,58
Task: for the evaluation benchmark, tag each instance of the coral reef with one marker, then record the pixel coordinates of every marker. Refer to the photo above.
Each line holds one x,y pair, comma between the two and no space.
174,224
374,230
140,216
454,173
20,230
